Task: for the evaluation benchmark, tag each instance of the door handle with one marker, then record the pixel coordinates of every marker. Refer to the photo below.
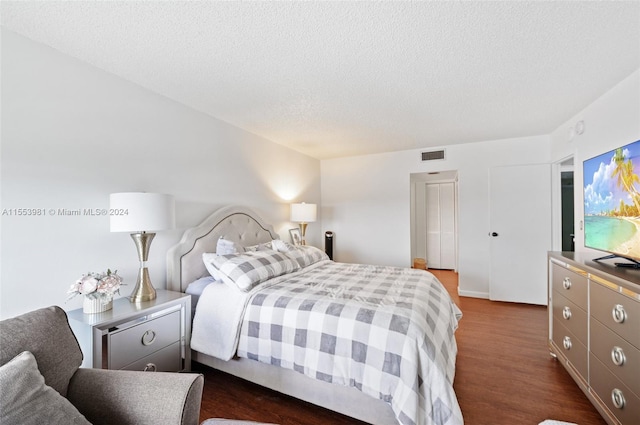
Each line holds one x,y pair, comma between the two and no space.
494,234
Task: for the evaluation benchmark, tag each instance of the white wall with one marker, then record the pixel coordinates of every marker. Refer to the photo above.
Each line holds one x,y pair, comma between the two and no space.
611,121
72,134
366,203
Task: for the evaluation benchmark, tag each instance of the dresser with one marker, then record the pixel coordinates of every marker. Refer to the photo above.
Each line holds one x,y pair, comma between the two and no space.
148,336
594,331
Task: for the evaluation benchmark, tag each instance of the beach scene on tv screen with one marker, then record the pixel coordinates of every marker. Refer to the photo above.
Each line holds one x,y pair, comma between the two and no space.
612,201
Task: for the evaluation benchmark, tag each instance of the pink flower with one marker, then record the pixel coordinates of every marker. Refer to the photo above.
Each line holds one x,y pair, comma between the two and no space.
88,284
97,285
109,284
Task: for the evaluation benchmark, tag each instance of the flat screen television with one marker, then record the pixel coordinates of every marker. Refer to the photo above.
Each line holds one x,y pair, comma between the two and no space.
612,204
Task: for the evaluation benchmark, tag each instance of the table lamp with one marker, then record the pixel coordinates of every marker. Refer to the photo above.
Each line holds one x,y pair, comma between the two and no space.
142,214
303,213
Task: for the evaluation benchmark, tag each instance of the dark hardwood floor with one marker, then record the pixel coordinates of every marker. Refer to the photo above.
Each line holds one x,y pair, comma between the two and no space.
504,375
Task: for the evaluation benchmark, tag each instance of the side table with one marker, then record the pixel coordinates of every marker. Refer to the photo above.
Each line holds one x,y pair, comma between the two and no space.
150,336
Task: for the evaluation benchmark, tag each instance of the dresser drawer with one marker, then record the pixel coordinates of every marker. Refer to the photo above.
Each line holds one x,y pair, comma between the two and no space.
168,359
570,347
620,400
570,284
622,358
572,317
618,312
141,340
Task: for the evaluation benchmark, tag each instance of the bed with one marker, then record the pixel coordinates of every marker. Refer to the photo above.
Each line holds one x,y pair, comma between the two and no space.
289,329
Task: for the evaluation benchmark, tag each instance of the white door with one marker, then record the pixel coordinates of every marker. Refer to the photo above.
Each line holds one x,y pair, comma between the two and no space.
433,225
441,230
520,232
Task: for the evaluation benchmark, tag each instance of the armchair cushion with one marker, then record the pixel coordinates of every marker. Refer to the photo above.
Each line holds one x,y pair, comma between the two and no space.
26,400
136,398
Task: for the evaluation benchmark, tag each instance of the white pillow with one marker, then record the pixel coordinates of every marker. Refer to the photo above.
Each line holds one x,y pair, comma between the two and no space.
281,246
226,246
26,400
244,271
206,259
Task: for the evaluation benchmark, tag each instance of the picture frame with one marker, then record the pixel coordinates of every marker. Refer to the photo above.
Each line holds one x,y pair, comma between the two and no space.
296,236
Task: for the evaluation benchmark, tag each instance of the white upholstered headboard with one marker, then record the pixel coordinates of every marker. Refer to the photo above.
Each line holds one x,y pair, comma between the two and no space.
239,224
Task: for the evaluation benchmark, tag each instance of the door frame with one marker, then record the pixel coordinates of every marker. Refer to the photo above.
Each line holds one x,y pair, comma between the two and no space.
418,210
564,164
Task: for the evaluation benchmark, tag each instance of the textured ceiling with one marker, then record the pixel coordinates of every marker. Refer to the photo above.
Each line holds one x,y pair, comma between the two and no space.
333,79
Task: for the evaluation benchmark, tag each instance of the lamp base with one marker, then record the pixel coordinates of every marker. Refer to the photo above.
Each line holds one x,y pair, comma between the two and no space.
144,290
303,230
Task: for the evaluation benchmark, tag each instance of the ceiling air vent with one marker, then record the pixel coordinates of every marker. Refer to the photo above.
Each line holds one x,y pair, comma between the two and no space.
433,155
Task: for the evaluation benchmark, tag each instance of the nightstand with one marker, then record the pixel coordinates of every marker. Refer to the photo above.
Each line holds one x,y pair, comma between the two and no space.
150,336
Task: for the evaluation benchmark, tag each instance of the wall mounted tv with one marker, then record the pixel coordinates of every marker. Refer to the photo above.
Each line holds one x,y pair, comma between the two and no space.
612,204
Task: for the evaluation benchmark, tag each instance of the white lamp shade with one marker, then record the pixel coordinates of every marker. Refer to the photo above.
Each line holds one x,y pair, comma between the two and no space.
304,213
141,212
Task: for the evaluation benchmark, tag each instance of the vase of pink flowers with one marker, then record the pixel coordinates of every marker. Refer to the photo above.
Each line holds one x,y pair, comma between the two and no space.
97,289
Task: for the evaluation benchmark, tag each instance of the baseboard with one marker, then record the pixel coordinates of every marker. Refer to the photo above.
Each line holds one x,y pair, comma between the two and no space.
473,294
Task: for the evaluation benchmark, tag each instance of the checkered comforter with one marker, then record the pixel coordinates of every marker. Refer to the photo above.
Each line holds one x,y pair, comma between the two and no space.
387,331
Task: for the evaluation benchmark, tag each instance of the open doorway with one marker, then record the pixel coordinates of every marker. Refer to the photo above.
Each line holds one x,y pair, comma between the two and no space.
434,219
566,195
564,205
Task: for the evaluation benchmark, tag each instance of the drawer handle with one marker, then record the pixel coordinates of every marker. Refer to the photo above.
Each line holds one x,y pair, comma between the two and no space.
566,283
618,398
566,312
150,367
619,314
148,338
566,343
617,356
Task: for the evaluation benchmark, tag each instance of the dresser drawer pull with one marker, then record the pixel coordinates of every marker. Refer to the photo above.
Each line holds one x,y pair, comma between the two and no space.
617,356
148,338
617,398
566,283
566,343
619,314
150,367
566,312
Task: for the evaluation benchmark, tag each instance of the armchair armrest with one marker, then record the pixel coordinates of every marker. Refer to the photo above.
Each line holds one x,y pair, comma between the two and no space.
136,398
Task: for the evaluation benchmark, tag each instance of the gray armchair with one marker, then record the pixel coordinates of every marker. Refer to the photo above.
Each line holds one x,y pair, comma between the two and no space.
101,396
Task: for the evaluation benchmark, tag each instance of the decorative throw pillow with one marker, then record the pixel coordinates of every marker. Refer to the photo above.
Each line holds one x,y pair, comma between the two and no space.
244,271
25,399
260,247
307,255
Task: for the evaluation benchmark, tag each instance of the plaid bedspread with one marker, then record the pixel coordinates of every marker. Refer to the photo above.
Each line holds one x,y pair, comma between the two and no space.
386,331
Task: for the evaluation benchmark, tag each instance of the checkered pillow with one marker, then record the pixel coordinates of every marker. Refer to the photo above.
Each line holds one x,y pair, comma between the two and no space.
306,255
249,269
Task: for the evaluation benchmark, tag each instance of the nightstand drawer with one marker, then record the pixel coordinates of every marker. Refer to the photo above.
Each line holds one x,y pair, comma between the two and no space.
622,358
571,316
141,340
570,284
619,313
166,360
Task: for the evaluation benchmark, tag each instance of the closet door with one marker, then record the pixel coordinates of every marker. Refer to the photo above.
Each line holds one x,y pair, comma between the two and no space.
441,230
432,200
